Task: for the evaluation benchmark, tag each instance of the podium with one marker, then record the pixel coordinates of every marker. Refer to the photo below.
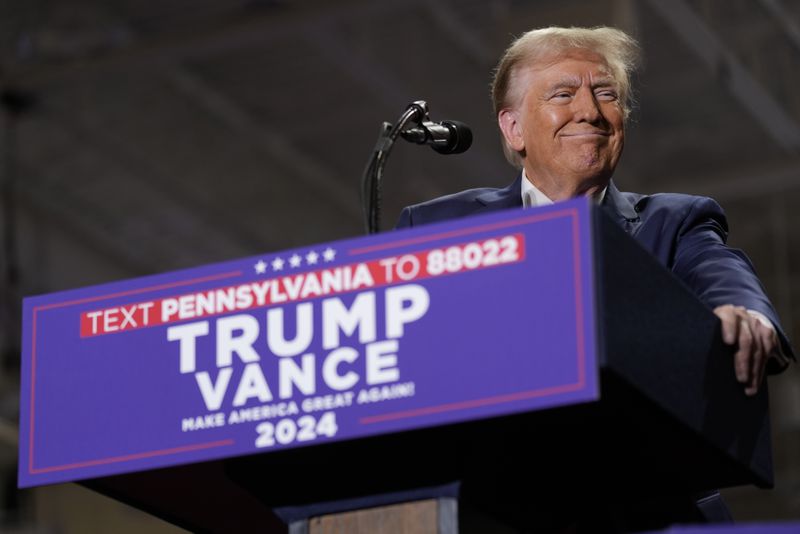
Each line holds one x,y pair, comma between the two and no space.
518,363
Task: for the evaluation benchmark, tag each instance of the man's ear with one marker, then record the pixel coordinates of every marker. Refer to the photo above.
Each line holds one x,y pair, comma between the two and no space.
508,120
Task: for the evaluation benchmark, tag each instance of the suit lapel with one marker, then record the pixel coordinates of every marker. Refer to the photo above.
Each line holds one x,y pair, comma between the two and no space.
501,199
620,209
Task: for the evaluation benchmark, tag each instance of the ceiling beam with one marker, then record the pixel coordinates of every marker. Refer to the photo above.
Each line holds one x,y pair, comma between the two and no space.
386,87
465,38
753,97
315,175
208,38
790,26
60,212
197,228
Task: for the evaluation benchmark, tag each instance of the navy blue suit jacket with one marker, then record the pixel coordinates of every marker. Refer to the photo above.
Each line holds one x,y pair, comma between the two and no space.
687,234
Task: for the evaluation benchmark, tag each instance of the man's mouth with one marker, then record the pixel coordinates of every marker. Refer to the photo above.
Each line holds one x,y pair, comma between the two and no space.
590,134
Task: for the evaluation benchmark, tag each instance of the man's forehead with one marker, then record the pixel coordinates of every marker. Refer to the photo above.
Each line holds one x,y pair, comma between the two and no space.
565,69
530,73
559,63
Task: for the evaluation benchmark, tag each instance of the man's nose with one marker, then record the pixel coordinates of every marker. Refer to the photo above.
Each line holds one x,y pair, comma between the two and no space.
586,107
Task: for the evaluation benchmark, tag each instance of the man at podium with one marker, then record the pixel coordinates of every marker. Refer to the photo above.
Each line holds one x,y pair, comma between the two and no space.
562,97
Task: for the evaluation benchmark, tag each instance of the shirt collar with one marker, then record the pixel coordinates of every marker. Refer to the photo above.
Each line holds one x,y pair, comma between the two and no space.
533,197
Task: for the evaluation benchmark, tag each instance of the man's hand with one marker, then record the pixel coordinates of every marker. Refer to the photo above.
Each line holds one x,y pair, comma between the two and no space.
755,343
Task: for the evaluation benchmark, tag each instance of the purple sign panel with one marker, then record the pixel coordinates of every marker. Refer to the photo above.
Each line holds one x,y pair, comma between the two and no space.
471,319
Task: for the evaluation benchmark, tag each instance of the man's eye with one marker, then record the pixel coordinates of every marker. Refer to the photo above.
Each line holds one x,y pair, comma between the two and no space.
562,95
606,96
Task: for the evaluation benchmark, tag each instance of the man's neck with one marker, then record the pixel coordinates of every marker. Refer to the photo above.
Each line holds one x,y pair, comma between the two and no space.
558,188
533,196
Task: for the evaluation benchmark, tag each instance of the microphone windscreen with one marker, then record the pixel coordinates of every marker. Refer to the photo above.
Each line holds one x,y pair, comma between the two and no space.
460,138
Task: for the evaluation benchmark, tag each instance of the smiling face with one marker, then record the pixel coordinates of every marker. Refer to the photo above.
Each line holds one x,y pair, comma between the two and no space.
568,124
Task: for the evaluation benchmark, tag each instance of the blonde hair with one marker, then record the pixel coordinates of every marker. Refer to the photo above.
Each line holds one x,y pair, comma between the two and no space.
619,50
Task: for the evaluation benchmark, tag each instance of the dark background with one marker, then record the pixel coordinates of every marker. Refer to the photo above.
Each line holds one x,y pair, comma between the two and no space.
139,136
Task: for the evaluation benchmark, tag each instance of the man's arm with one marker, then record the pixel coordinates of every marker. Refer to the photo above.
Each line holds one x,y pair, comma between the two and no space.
724,278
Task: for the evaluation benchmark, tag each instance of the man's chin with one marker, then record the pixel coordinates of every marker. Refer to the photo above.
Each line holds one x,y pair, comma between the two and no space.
592,170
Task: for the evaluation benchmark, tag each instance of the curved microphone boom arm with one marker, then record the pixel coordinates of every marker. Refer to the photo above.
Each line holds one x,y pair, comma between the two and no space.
447,137
371,181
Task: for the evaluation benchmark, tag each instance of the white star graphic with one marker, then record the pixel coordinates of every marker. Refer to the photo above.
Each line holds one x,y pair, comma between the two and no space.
328,254
277,264
312,257
260,267
295,260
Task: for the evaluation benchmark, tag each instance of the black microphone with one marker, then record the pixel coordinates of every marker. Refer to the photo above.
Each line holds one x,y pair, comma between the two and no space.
446,137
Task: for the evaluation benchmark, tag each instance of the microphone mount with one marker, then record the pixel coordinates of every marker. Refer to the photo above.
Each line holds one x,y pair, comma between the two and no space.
414,125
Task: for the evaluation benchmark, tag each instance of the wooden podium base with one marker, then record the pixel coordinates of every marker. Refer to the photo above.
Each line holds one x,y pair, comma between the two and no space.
431,516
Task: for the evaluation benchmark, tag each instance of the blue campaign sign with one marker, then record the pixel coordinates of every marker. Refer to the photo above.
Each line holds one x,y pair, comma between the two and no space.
470,319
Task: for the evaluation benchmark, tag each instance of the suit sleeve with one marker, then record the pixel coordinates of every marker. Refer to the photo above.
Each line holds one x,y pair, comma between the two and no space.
715,272
405,220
